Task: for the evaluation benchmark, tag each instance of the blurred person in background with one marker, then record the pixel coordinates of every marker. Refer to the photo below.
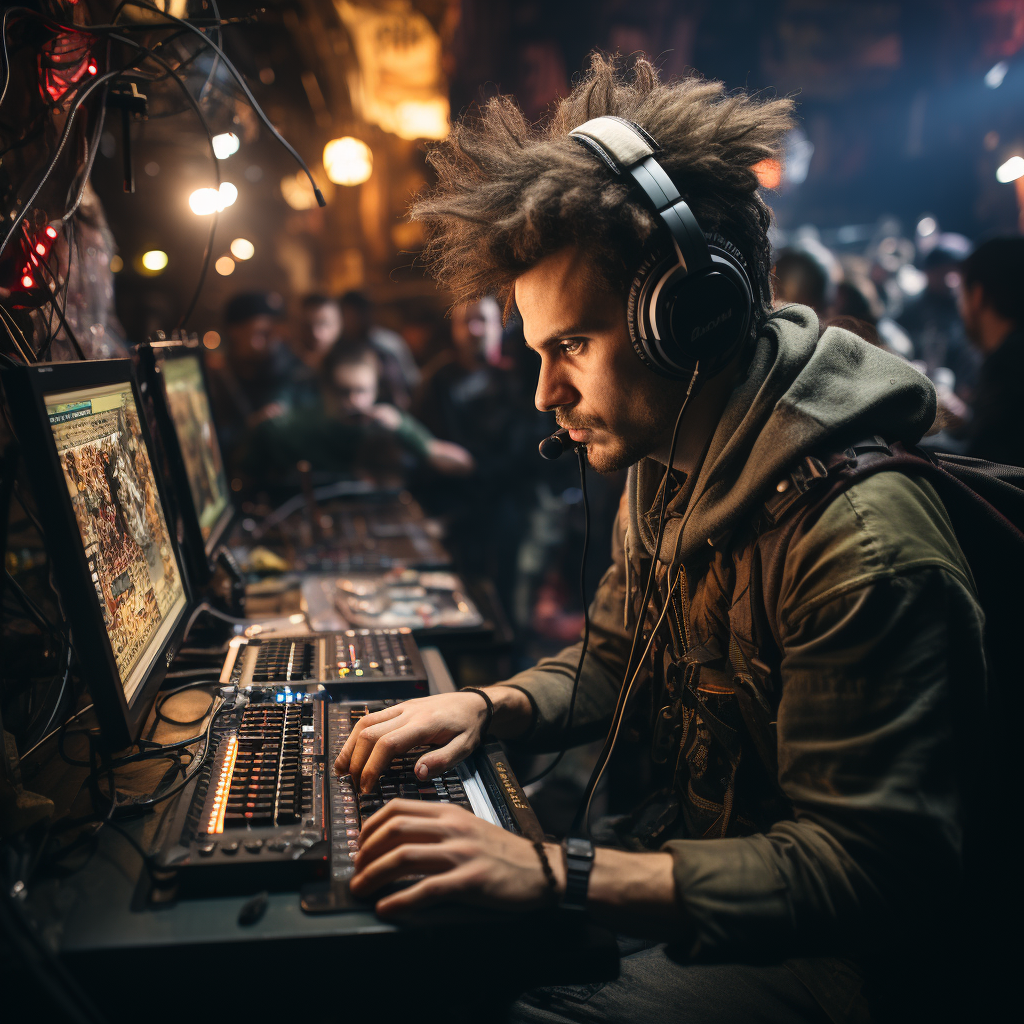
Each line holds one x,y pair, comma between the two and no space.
319,328
470,395
856,296
399,372
798,277
933,321
348,432
992,306
253,376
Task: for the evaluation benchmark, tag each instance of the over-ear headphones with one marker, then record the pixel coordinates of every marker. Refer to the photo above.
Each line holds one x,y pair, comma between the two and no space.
688,303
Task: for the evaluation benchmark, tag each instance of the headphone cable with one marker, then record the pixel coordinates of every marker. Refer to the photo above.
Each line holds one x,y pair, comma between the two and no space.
581,821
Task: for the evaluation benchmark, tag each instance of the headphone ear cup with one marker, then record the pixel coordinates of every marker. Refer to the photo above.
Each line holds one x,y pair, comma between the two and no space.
650,330
677,319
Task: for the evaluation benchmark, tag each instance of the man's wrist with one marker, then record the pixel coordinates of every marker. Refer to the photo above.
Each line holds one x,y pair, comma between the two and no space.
512,711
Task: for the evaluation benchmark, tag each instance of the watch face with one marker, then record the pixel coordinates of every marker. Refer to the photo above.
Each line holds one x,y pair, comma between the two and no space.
575,847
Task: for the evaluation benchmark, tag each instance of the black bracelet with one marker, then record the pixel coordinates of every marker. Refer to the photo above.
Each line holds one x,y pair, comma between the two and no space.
490,707
549,875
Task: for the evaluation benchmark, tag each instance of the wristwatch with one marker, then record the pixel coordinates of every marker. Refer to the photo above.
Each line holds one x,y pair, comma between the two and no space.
579,860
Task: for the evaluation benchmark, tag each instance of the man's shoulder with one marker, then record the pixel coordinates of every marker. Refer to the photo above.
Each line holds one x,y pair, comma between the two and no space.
886,525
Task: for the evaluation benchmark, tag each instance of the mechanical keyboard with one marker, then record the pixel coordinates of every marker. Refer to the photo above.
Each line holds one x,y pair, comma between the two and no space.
268,812
357,663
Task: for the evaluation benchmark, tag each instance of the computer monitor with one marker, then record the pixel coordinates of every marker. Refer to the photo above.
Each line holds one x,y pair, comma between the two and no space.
173,371
123,589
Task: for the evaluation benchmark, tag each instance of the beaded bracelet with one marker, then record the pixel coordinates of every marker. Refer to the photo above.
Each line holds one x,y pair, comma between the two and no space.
549,875
490,706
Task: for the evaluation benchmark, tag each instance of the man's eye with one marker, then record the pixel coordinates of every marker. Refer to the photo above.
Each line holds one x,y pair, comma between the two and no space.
571,347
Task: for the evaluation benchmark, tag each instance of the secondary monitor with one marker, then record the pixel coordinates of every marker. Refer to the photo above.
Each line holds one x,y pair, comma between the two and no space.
123,589
174,372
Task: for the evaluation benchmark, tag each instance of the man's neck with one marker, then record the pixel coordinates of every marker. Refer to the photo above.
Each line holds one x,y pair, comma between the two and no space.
699,421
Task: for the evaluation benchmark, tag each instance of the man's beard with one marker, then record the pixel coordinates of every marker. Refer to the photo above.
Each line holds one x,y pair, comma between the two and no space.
638,433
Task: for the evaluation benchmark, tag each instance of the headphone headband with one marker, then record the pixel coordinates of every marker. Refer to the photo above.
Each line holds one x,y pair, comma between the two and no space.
627,149
691,307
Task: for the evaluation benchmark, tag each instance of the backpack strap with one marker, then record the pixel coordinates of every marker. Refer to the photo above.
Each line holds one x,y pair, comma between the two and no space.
799,499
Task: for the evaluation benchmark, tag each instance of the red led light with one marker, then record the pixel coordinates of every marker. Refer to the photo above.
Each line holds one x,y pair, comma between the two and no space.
92,69
27,282
40,248
51,232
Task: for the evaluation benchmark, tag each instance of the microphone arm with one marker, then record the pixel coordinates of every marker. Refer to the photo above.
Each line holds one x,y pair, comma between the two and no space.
556,445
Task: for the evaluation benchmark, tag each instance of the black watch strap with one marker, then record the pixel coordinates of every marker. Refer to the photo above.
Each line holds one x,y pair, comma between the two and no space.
579,860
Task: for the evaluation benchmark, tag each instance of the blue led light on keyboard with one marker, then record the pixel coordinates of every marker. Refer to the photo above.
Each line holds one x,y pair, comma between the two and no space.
279,698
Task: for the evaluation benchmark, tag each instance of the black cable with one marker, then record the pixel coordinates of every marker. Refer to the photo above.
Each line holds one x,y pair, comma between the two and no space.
213,153
64,136
581,821
10,322
580,450
257,109
35,613
163,698
55,306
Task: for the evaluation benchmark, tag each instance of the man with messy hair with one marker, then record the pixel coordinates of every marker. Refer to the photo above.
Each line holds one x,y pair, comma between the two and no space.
768,881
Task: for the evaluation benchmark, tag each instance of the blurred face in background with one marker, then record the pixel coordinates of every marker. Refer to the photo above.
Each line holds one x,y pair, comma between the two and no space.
476,331
354,389
321,328
252,341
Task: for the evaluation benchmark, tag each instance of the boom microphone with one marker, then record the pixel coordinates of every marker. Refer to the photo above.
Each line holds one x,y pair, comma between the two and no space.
556,445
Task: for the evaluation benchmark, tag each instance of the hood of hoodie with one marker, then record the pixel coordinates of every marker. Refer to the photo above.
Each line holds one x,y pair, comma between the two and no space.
801,395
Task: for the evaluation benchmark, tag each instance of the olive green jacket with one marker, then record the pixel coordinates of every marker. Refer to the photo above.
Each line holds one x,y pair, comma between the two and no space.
874,628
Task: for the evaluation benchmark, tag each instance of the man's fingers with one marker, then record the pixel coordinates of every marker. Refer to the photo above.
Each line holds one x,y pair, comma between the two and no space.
408,859
414,808
435,762
341,764
367,740
427,892
406,828
397,740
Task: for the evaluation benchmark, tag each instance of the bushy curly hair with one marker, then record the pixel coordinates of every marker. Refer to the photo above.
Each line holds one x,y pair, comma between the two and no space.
510,193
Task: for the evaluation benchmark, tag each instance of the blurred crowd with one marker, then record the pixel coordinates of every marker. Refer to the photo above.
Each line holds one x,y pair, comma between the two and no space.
444,406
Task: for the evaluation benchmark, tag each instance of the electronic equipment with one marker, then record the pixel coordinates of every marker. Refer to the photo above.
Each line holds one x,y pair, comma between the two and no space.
174,378
355,663
371,534
692,302
427,602
268,812
124,592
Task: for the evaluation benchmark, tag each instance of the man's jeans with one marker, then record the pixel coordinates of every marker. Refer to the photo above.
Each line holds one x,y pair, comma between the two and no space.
653,989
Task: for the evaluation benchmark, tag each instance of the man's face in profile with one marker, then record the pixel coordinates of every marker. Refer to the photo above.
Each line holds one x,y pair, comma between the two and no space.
590,376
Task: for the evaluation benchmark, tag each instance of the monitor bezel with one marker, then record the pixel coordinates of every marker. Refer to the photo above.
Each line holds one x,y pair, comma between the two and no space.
25,388
199,551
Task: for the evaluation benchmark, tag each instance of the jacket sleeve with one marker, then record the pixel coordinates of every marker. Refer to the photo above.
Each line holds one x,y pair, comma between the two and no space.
549,683
876,638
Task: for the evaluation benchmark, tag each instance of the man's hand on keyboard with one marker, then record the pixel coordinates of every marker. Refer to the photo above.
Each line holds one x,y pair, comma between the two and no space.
451,722
464,858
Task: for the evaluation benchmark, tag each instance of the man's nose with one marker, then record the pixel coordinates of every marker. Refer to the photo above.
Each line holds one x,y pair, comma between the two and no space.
553,389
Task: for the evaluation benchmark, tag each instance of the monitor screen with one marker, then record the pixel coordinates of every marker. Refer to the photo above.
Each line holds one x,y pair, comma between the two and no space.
121,522
189,407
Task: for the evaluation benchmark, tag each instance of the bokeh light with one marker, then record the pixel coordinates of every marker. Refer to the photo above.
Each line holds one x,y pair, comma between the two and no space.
242,249
224,266
348,161
155,260
225,145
